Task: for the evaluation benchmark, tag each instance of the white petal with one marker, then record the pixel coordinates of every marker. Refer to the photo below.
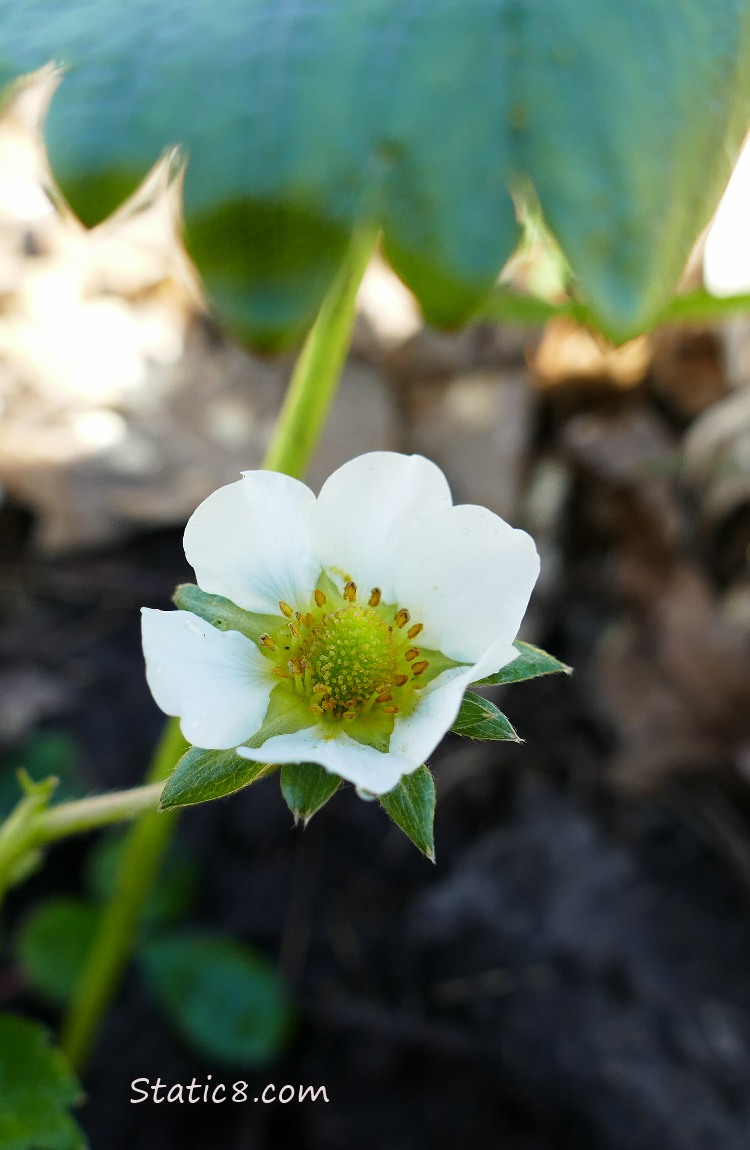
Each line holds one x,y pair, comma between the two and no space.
416,736
367,505
251,542
374,771
216,681
467,575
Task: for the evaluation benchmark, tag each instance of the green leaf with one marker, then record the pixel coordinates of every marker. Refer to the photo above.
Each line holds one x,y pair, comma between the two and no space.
622,119
168,901
411,805
36,1090
52,944
203,775
532,662
480,719
225,999
306,788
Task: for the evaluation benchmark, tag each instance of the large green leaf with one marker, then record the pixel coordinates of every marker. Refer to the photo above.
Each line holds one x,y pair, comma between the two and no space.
224,998
36,1090
303,117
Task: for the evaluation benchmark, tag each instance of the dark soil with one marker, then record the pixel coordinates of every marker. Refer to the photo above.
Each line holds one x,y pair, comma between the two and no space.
573,974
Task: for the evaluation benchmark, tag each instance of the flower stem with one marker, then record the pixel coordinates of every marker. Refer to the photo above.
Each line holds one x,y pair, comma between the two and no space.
300,423
318,369
144,850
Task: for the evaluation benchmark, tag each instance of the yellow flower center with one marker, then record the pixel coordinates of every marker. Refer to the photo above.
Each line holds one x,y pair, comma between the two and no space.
352,654
347,661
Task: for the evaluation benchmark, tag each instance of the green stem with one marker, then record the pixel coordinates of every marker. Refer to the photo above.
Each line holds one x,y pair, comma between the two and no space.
109,955
301,420
99,811
318,369
32,825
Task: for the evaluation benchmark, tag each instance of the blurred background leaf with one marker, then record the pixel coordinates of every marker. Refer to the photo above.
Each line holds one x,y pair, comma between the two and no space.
224,998
52,944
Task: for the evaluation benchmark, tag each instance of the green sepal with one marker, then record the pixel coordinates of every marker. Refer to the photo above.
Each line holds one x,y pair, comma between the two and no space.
37,1089
481,719
306,788
223,613
411,805
203,775
531,663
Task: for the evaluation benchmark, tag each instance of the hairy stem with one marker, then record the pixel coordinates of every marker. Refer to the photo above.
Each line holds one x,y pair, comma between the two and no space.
301,420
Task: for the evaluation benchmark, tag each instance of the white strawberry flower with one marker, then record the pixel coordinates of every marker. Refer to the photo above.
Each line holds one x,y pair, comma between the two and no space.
364,615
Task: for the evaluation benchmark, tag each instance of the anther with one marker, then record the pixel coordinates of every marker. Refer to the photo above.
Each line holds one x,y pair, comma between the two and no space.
316,710
399,680
294,630
411,654
268,642
329,704
308,619
375,595
320,598
419,668
295,666
298,616
385,697
401,617
350,592
414,631
282,674
349,715
285,609
390,710
321,689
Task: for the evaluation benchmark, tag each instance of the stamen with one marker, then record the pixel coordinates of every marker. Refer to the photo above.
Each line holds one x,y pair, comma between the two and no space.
414,631
298,616
350,592
419,668
321,689
308,619
349,715
285,609
402,617
280,672
390,710
316,710
411,654
320,598
268,642
399,680
329,704
295,666
375,595
294,629
385,697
